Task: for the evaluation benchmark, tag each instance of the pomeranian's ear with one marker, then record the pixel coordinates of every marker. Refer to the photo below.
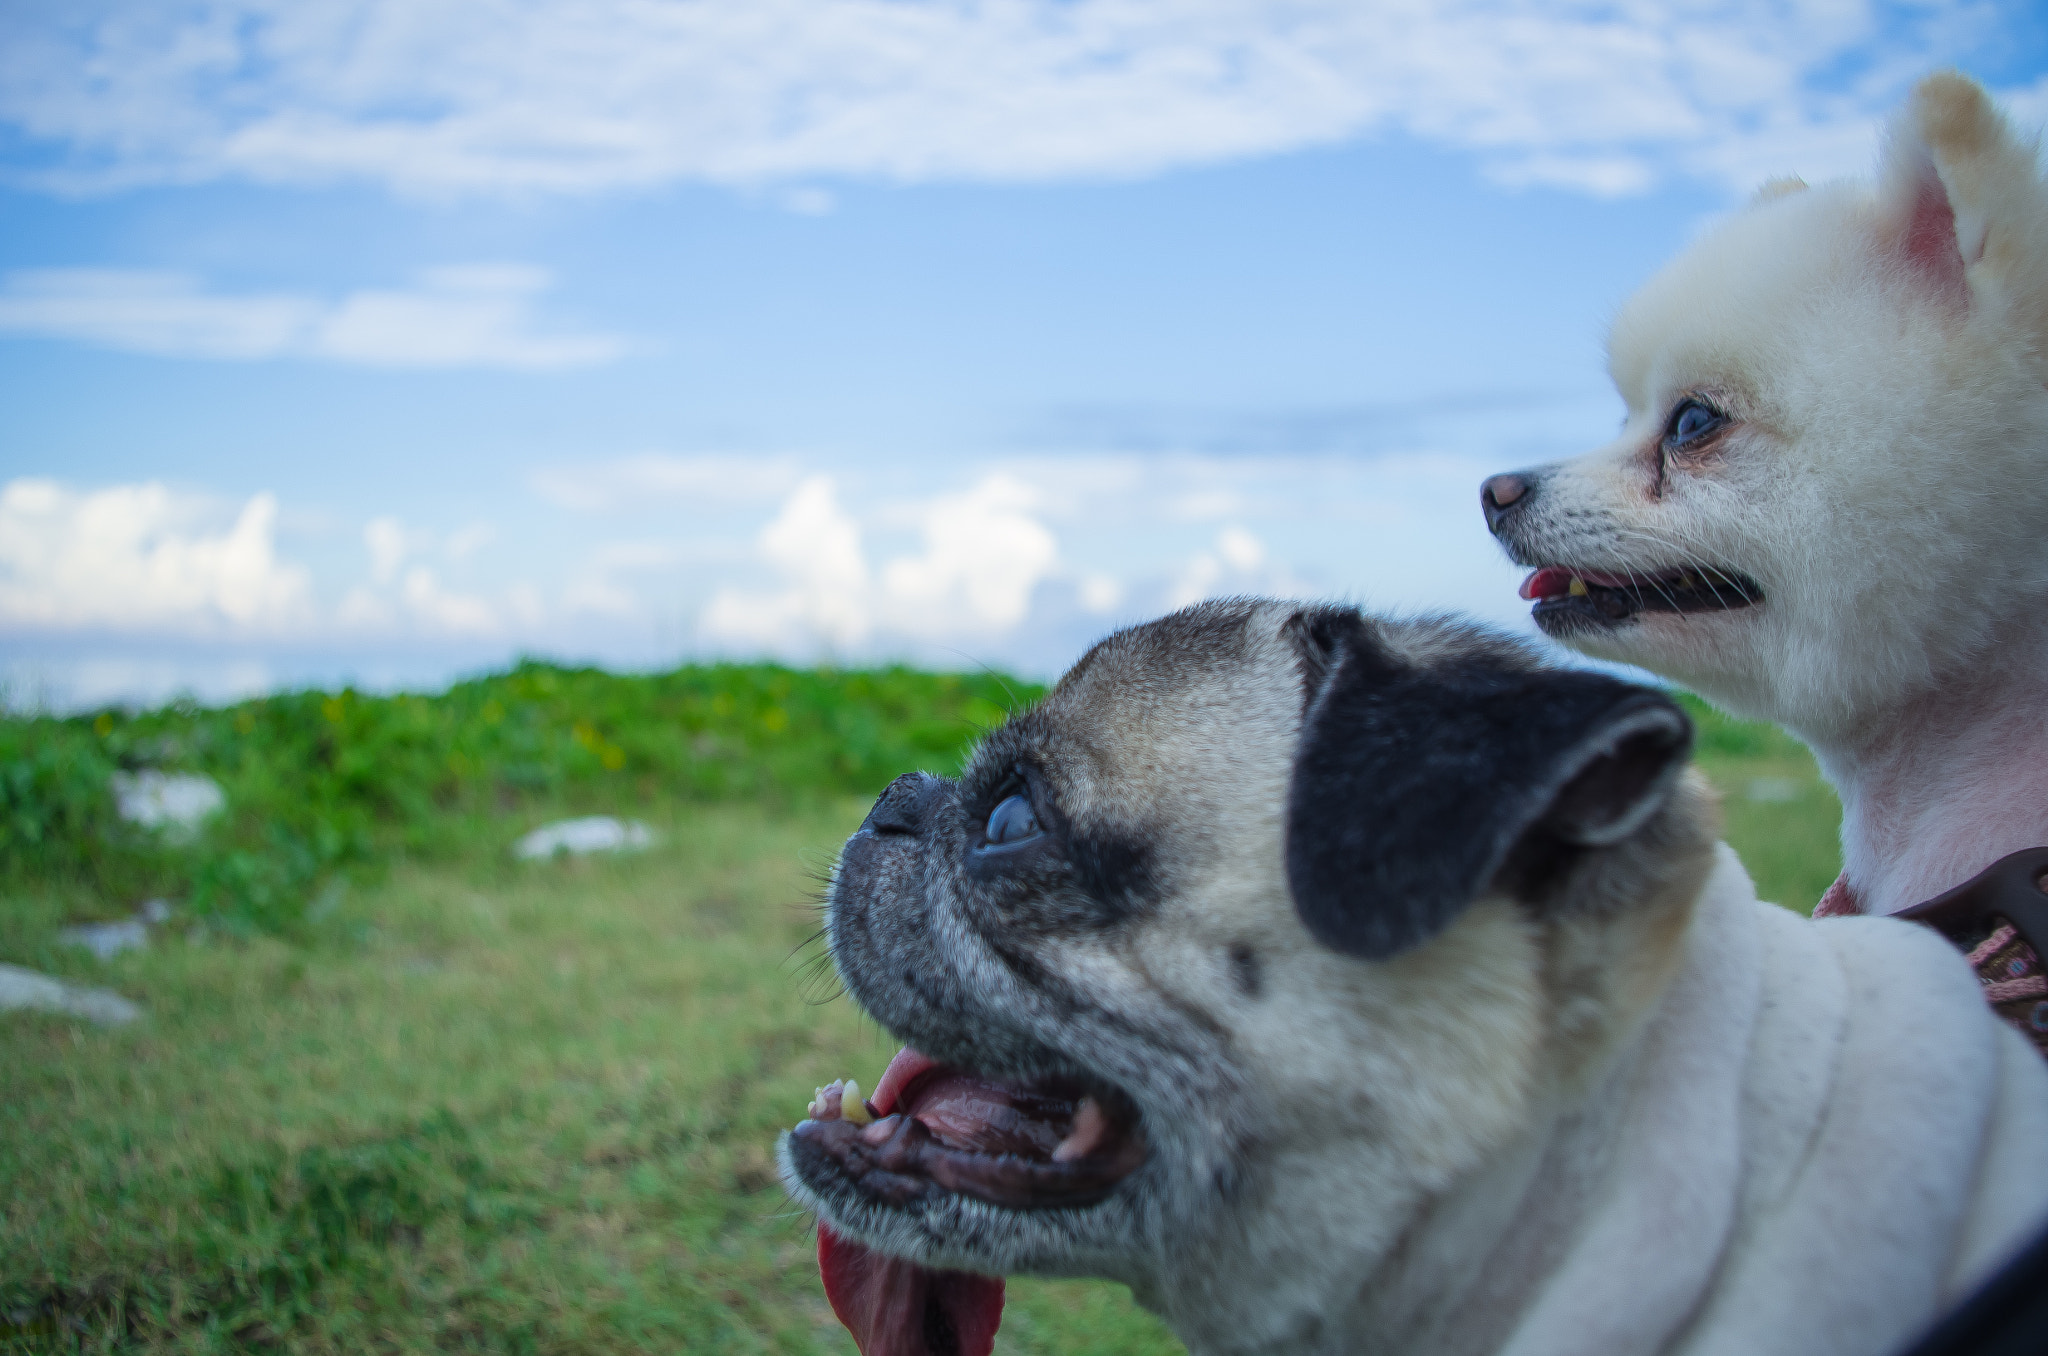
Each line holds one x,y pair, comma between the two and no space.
1962,201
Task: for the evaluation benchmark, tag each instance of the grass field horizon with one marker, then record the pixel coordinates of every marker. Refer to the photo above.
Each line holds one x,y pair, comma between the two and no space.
398,1091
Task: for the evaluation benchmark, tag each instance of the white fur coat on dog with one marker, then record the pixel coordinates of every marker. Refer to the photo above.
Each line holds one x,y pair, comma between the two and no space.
1849,1090
1826,508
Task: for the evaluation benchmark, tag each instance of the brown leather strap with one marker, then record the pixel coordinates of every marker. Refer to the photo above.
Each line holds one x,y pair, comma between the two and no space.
2010,888
2013,889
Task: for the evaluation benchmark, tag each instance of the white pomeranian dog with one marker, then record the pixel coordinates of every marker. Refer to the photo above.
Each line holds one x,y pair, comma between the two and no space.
1829,505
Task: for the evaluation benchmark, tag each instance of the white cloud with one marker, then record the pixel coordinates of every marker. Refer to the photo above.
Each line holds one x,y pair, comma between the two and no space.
1195,580
2029,105
600,595
142,312
420,602
42,681
458,317
719,478
984,553
437,609
363,610
1600,176
475,316
1009,563
386,540
597,588
636,555
1015,568
816,548
1235,563
390,543
524,603
451,96
1240,549
465,542
1197,505
810,202
1100,593
142,557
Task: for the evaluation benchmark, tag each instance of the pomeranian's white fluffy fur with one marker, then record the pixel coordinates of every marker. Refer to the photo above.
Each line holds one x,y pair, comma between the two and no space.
1872,360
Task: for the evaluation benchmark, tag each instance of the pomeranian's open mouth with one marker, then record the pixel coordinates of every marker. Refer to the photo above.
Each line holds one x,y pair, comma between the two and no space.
1569,599
1037,1145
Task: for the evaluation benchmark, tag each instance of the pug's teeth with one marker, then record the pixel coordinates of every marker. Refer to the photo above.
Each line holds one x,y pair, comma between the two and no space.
1576,589
829,1103
851,1106
1090,1125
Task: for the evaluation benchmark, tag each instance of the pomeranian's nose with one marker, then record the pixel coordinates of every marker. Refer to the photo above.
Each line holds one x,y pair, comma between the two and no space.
1499,494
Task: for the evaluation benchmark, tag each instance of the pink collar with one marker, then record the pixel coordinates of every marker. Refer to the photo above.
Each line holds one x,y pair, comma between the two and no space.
1839,901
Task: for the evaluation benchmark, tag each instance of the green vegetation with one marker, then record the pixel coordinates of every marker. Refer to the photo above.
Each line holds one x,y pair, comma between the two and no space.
320,785
497,1107
1777,812
422,1097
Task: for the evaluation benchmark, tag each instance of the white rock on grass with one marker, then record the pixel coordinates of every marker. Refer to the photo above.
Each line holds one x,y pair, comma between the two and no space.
593,833
26,989
177,801
107,940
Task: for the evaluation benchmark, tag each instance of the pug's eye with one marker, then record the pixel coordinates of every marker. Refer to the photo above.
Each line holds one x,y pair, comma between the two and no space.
1012,821
1692,420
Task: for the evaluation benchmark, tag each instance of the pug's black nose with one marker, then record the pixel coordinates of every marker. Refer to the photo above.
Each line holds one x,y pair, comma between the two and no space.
1500,494
904,807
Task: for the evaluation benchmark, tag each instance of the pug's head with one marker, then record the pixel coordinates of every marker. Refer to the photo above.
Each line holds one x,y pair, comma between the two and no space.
1263,930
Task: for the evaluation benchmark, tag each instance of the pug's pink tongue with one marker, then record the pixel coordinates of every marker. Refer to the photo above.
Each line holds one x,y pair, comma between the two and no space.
897,1308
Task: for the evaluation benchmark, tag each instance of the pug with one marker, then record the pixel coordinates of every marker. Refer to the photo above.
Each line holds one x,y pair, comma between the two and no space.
1343,984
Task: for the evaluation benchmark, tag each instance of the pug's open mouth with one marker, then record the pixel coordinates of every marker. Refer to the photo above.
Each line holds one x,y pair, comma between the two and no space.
1568,599
932,1129
1041,1144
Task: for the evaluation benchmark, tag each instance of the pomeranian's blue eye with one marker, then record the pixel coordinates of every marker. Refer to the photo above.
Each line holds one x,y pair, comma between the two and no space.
1692,419
1012,821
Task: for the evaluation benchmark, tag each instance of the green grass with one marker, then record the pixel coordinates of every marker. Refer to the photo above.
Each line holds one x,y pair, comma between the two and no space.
497,1108
469,1104
325,786
1776,811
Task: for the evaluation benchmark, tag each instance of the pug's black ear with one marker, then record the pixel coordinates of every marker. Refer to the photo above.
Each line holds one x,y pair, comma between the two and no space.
1418,787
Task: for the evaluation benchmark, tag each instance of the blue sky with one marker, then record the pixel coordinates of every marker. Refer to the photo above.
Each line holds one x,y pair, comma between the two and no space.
376,341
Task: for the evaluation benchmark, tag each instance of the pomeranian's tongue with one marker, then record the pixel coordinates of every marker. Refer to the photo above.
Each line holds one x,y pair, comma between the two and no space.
1546,582
1554,581
897,1308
